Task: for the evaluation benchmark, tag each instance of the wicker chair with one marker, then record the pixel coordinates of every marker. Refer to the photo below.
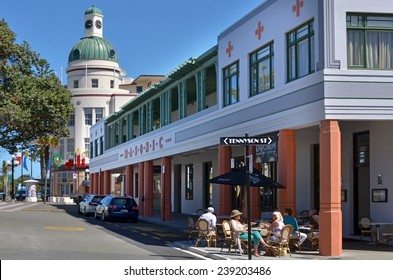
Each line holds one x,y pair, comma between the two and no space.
204,232
282,244
366,228
191,230
229,239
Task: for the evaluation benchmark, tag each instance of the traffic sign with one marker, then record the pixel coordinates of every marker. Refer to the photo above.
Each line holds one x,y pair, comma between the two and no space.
240,141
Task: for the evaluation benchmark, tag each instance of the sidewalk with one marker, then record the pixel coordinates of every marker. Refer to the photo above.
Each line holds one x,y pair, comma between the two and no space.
352,249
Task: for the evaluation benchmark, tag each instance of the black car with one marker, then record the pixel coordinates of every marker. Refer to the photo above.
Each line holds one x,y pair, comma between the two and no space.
117,208
20,195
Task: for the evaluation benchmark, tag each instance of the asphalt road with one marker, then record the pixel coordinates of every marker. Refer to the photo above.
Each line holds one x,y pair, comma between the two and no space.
57,232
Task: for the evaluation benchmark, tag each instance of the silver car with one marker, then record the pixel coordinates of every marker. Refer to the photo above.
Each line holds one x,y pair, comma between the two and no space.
88,205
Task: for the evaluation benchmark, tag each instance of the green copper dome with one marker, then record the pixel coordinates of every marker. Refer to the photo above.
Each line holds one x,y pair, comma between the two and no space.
93,48
93,10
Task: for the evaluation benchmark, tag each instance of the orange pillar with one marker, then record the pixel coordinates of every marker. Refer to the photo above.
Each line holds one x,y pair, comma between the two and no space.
141,180
107,182
287,169
91,183
148,184
129,182
224,191
166,176
330,215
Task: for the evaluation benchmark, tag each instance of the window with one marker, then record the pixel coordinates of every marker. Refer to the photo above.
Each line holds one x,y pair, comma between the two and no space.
112,83
96,147
231,84
76,84
301,51
70,146
189,182
87,147
88,112
101,145
94,83
261,70
139,89
370,41
99,114
71,121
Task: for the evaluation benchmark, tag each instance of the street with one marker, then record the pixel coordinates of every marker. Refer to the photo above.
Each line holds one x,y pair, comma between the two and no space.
36,231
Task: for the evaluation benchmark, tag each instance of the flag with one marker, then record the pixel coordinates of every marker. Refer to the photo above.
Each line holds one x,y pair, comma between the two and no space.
25,162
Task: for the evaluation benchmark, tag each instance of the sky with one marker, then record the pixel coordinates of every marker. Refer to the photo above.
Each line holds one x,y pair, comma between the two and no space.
151,37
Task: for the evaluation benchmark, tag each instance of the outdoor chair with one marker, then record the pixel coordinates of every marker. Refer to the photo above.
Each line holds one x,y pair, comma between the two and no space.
387,236
313,237
295,242
281,246
304,216
205,233
191,230
365,228
229,239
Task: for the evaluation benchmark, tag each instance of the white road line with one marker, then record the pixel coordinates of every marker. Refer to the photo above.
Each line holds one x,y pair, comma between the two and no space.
191,253
16,208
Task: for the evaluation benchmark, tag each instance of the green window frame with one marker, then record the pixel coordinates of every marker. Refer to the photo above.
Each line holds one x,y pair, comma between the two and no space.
262,69
231,84
301,51
369,41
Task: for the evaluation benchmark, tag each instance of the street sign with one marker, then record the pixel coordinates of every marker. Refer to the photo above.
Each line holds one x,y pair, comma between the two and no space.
240,141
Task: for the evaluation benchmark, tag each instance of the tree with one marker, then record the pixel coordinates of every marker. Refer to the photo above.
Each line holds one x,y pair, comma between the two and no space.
34,106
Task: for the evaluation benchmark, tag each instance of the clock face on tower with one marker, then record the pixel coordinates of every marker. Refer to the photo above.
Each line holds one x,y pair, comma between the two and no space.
88,24
98,24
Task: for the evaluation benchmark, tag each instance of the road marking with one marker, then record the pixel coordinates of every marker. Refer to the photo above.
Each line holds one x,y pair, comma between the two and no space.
64,228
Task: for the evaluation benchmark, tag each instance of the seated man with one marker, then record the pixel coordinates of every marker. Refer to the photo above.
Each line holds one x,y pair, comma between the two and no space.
288,219
211,218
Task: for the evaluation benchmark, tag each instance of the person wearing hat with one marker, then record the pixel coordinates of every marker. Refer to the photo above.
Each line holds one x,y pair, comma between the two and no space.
211,218
240,232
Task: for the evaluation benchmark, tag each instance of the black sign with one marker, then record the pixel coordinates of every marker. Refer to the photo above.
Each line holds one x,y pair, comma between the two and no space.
240,141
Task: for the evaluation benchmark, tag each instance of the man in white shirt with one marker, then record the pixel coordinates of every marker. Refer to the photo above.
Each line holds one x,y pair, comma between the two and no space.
211,218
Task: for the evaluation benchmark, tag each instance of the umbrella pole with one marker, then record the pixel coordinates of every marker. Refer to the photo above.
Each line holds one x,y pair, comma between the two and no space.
248,201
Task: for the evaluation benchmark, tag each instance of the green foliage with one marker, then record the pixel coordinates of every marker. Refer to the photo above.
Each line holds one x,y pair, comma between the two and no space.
33,102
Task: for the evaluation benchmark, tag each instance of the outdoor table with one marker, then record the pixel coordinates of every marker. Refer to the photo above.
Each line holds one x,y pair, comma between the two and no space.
377,229
262,231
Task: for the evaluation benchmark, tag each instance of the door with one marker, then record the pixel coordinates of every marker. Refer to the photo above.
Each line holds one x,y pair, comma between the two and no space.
208,187
361,187
177,188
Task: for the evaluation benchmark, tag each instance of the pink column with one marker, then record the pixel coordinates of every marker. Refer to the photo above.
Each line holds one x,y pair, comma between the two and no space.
166,176
330,215
148,188
224,191
107,182
287,169
91,183
129,187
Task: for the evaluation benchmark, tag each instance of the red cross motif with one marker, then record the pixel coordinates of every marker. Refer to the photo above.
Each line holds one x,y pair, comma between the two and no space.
229,49
296,8
259,30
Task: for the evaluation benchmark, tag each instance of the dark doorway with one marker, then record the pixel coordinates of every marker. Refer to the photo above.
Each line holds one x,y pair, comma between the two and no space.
315,177
177,188
361,180
208,187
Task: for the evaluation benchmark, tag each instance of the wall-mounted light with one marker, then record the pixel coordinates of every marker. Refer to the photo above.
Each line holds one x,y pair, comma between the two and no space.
379,179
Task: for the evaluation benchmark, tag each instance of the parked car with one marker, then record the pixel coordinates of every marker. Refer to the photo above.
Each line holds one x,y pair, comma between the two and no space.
88,205
20,195
117,208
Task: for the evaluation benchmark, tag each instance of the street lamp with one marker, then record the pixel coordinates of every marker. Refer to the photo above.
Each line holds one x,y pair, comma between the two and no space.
12,176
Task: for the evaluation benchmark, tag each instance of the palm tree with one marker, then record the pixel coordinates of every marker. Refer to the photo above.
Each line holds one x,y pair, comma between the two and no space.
44,146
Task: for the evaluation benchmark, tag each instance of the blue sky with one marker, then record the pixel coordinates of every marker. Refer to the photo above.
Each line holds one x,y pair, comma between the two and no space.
150,36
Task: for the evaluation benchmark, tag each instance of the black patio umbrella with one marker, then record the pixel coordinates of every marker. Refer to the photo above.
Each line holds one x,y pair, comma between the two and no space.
237,176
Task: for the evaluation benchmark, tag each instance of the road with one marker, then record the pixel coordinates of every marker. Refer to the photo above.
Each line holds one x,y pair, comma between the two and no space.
36,231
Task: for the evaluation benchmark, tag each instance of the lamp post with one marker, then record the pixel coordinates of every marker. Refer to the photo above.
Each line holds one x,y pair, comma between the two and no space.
12,176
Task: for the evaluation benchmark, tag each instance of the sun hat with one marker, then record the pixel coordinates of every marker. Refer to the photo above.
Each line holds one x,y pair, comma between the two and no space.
235,213
210,209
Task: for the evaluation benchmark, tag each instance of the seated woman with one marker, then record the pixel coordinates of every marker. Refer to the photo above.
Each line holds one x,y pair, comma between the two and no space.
240,231
276,226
